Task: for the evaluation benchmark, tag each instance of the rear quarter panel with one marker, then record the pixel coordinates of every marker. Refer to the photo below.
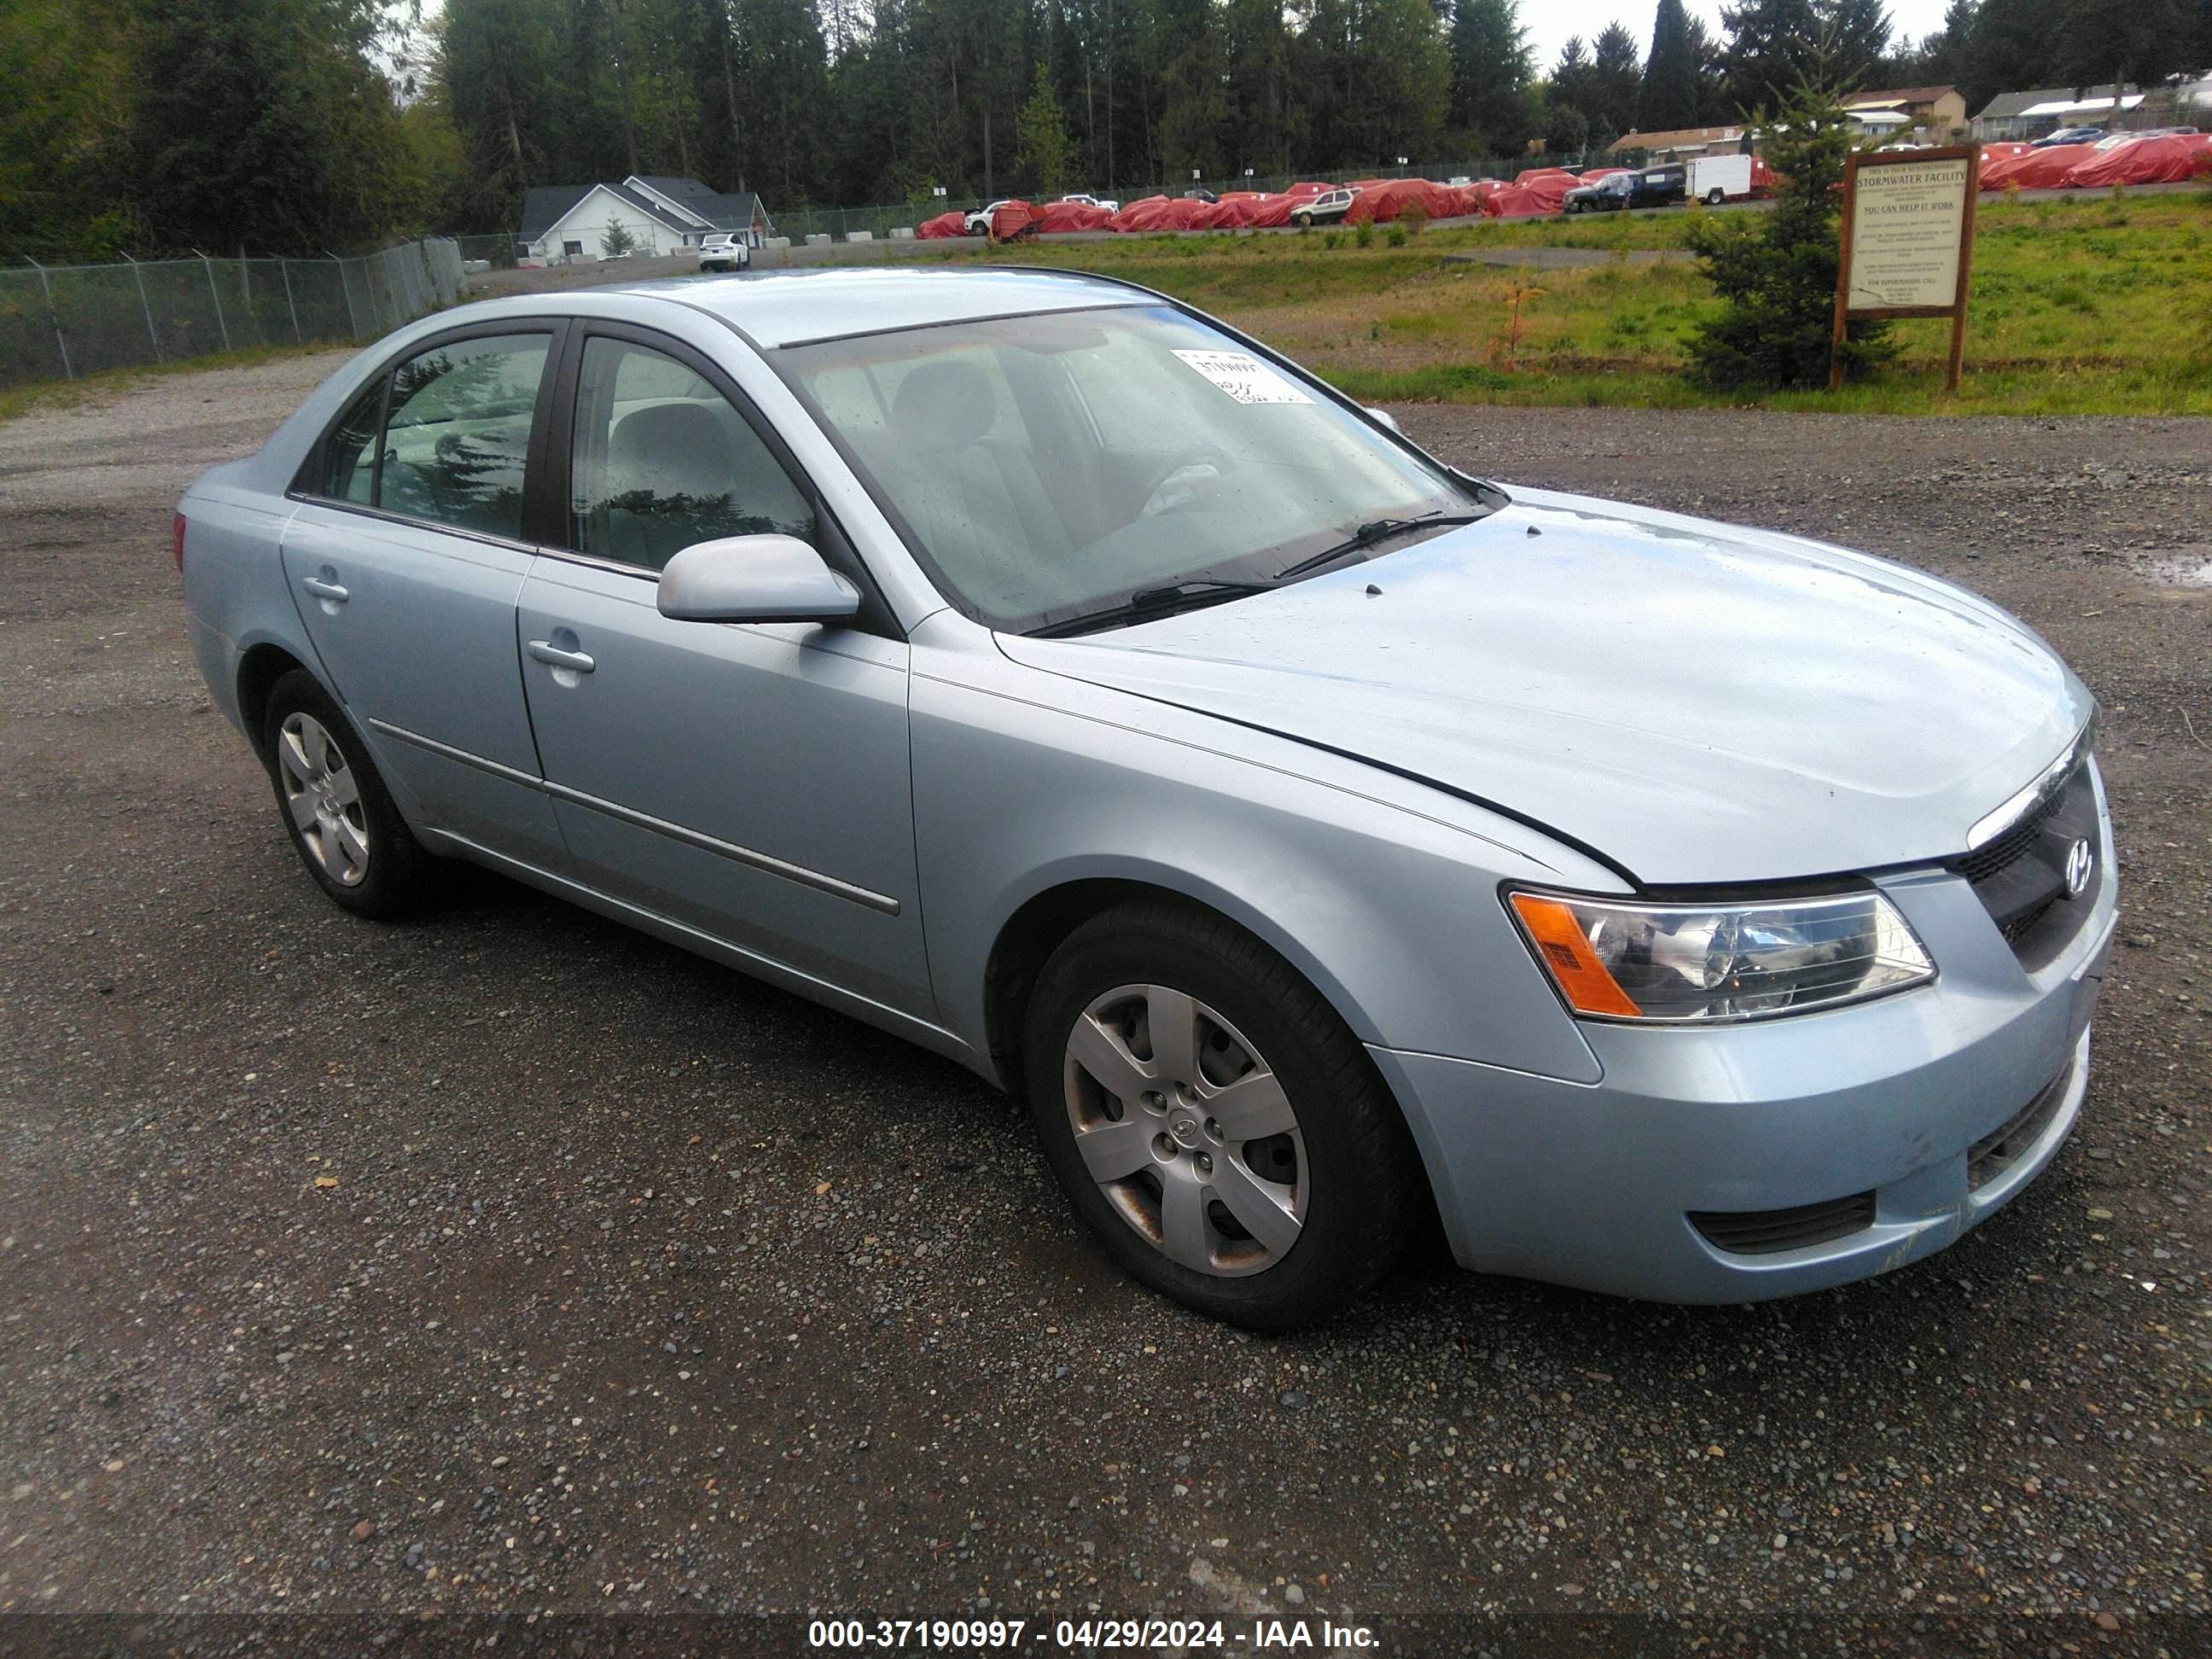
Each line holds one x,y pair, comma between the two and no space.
235,595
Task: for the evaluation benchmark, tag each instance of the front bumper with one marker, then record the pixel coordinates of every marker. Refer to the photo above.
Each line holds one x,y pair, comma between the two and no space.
1884,1103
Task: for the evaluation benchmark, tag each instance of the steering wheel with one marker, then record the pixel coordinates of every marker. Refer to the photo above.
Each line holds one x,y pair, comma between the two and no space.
1182,460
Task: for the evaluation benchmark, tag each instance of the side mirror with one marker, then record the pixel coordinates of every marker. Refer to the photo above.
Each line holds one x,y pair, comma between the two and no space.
758,579
1384,417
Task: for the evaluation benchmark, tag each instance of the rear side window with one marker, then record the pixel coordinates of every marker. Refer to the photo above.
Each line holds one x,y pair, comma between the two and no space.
457,432
349,458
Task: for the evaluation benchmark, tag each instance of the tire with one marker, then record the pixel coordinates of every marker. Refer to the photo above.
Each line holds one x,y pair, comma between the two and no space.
1715,196
335,807
1304,220
1334,1197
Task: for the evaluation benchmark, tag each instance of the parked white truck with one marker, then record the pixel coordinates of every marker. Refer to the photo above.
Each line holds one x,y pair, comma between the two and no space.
1714,179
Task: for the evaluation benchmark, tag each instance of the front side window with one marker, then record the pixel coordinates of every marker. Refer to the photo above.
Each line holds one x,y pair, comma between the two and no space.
458,431
1049,466
663,461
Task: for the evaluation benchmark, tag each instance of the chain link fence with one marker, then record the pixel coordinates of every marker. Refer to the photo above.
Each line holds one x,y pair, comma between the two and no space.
62,322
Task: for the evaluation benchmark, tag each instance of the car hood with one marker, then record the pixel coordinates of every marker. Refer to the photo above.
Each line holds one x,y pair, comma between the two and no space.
1695,703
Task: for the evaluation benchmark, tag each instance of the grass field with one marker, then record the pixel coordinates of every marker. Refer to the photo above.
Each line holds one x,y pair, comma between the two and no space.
2080,306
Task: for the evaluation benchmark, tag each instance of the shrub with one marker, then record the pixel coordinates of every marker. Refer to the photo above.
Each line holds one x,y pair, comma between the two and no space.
1777,271
1415,219
1363,232
1395,235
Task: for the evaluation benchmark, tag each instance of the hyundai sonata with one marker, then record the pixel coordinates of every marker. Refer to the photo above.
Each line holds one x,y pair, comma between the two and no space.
1317,838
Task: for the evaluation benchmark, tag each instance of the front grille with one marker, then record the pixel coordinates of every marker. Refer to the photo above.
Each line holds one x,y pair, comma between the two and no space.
1764,1232
2020,877
1998,1151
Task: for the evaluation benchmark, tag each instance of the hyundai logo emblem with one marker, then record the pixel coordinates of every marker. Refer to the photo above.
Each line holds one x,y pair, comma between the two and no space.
2081,859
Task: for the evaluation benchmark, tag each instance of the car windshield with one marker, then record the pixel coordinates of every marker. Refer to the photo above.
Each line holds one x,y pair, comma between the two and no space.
1045,467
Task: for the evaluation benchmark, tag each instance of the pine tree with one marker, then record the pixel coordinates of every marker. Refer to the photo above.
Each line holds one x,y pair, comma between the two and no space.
1492,64
1772,48
1616,73
1775,271
1044,153
1854,38
1668,97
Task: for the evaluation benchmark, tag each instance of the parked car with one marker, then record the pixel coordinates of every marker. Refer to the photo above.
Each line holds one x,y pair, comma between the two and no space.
1198,194
724,251
1317,837
1109,206
2069,136
979,220
1610,194
1326,208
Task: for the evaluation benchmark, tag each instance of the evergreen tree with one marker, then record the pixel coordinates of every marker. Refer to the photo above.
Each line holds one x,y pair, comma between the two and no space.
1668,97
1492,64
1258,48
1771,50
1043,154
1616,73
1775,271
261,122
1854,38
2013,47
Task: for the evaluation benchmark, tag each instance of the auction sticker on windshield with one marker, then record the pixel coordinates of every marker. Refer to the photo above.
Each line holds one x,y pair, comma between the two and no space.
1244,377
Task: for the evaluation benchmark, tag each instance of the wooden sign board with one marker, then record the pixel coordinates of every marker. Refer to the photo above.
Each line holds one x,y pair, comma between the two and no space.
1908,243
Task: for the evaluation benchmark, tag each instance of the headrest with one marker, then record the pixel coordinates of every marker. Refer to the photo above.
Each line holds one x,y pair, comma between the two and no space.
944,405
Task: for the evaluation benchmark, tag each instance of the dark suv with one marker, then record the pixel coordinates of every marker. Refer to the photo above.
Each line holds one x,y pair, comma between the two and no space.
1610,194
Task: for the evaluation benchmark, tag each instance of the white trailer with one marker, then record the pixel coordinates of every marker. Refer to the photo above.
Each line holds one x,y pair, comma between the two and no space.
1714,179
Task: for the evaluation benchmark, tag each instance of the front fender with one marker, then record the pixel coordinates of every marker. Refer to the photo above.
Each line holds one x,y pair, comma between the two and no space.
1383,892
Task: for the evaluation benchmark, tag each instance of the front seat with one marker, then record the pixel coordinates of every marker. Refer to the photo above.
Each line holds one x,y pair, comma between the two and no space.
674,477
979,505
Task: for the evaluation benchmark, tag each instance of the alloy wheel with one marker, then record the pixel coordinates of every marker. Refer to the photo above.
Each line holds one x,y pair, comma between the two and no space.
323,798
1186,1130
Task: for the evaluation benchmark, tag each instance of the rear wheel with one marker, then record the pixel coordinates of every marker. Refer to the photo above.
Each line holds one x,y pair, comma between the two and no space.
1715,196
1214,1123
335,808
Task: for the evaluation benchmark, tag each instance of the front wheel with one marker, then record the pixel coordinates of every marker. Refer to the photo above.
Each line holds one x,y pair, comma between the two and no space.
1305,221
1215,1124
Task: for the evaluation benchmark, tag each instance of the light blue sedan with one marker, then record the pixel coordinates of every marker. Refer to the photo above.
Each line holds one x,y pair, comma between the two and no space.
1314,836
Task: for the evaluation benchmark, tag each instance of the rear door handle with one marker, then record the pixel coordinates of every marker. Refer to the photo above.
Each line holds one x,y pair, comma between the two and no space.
324,590
546,652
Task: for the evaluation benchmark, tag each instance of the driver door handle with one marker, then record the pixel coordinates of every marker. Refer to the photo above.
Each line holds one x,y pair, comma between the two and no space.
547,652
323,590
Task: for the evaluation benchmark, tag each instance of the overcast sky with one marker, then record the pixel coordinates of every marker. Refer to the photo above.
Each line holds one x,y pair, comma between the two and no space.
1549,22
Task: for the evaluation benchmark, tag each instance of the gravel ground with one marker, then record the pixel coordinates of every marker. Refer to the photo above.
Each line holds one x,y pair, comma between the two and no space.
507,1261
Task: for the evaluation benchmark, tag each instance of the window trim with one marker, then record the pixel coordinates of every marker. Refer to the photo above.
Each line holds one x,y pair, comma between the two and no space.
551,527
314,468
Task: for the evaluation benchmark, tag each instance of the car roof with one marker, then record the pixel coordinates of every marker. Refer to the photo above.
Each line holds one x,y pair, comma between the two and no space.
791,307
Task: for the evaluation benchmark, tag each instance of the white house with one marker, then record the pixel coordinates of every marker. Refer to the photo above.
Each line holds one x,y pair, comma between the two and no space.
564,223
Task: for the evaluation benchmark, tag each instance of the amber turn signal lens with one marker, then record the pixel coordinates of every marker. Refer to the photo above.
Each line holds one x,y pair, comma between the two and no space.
1568,958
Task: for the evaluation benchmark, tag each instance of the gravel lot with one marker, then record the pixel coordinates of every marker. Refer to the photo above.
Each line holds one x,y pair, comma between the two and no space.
507,1261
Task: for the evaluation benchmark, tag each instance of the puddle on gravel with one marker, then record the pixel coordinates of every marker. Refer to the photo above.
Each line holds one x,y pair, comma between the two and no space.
2190,568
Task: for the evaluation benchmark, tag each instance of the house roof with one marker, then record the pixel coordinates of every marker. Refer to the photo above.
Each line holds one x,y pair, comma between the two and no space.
545,205
2007,105
1897,95
1678,138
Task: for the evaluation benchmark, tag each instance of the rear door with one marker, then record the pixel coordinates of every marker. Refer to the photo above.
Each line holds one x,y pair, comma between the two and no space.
750,781
405,559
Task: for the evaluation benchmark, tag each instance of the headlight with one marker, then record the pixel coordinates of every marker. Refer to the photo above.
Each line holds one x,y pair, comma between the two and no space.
1689,962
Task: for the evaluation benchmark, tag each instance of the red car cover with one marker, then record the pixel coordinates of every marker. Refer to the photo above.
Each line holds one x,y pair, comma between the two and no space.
1056,216
1382,202
1532,175
1011,219
945,224
2172,160
2039,169
1547,192
2005,151
1762,176
1158,213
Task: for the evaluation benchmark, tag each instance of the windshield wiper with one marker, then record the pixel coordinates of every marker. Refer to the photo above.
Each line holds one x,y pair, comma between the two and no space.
1380,531
1148,602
